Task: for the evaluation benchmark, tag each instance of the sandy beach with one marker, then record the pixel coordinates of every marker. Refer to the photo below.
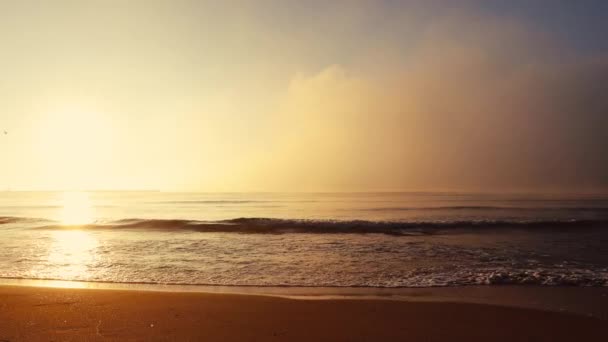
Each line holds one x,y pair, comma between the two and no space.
54,314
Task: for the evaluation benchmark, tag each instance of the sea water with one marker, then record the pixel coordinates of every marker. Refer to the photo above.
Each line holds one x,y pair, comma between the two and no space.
305,239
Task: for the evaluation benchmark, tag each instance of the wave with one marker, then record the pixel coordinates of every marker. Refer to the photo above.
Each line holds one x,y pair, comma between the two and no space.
213,202
281,226
15,219
447,277
591,209
9,219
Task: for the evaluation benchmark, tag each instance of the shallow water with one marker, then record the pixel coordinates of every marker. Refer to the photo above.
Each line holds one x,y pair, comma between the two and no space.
378,239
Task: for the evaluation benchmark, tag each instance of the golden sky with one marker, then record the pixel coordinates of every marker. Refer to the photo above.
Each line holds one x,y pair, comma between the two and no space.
295,96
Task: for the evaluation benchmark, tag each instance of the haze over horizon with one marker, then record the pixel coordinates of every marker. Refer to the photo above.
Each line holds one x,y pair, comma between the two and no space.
304,96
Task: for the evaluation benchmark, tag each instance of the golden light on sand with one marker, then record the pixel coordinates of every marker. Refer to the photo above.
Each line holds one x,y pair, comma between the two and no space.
64,284
76,209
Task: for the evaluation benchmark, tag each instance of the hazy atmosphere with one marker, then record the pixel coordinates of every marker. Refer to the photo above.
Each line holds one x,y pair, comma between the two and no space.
304,95
303,170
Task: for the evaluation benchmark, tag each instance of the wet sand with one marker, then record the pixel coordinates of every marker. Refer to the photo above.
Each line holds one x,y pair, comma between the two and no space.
52,314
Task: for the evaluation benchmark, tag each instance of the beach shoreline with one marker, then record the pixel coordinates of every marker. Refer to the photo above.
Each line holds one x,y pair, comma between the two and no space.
431,314
586,301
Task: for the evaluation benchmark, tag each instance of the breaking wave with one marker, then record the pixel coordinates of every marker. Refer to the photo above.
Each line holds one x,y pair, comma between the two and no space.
279,226
491,208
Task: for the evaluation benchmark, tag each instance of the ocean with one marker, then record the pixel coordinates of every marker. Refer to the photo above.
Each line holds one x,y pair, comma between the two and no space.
393,240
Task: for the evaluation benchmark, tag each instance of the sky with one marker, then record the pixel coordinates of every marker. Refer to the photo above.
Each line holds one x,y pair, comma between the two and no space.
304,95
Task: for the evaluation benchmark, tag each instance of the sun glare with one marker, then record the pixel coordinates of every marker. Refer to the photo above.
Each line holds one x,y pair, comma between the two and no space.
74,147
76,209
73,251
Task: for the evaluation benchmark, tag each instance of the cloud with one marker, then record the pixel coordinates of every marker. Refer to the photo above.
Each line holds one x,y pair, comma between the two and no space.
478,103
315,95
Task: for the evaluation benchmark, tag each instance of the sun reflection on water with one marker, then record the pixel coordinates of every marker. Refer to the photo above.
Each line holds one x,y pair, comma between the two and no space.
71,253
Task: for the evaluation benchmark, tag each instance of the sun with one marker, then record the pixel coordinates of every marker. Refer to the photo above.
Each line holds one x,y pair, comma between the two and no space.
74,147
76,209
